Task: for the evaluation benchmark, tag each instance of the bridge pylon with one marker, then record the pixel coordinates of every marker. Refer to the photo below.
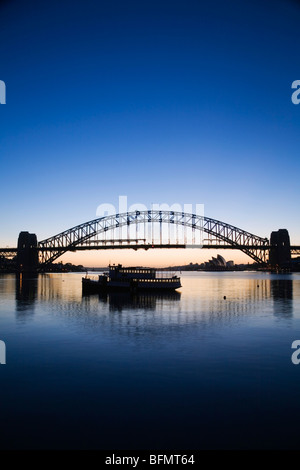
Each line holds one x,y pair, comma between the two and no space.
27,254
280,250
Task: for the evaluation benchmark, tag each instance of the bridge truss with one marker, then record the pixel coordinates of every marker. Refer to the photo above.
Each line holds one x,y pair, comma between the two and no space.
152,229
8,253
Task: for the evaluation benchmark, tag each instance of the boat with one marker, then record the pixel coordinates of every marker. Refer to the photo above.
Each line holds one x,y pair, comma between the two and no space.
130,279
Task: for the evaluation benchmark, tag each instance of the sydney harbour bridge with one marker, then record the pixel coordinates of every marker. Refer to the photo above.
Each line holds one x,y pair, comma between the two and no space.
151,229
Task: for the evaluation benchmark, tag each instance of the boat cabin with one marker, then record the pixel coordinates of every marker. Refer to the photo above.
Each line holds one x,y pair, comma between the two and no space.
119,272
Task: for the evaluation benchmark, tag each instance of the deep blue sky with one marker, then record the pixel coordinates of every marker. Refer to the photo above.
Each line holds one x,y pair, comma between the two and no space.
162,101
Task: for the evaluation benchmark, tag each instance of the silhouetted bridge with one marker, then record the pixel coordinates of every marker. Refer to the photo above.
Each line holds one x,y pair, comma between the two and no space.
151,230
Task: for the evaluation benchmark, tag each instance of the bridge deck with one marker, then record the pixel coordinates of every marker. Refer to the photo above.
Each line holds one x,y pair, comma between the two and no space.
112,246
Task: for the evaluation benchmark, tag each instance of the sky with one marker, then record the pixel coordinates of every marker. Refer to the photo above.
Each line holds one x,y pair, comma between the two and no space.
185,102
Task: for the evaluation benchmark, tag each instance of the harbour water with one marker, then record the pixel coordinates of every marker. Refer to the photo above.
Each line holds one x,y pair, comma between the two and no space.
189,370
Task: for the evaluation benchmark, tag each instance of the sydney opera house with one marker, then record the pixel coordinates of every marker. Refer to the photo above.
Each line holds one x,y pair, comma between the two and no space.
219,264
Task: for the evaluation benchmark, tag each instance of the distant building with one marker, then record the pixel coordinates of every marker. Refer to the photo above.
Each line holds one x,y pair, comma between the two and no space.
230,264
218,264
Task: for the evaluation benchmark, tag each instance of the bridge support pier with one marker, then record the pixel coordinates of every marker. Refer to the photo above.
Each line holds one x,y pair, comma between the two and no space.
280,251
27,255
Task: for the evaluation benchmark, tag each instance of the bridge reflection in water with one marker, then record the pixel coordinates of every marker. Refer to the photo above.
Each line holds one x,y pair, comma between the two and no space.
201,299
282,294
26,291
128,370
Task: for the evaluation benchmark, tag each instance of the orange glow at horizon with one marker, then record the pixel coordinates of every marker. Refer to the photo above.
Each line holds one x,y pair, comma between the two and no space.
152,258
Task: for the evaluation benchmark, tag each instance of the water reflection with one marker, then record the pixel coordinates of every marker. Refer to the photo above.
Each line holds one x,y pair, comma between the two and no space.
205,300
26,292
282,294
133,315
119,301
155,359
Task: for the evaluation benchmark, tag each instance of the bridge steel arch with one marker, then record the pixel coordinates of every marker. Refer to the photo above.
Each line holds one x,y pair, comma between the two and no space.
90,234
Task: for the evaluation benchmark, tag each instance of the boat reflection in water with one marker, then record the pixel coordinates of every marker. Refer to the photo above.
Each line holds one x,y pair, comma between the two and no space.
135,288
118,301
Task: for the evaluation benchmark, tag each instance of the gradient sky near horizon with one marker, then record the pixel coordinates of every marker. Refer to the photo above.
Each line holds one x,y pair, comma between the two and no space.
184,102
